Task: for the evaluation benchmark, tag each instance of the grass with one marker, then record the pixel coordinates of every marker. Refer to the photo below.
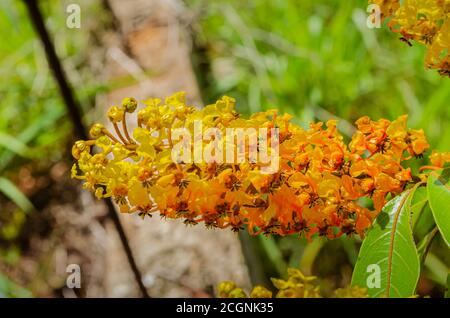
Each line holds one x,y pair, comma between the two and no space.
318,59
34,129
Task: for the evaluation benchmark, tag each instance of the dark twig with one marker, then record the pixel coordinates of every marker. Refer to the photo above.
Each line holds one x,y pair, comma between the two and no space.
79,129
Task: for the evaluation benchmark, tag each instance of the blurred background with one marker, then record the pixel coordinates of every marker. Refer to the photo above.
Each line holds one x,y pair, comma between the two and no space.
314,59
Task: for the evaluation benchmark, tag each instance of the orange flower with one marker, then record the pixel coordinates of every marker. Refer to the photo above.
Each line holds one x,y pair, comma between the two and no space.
423,21
315,191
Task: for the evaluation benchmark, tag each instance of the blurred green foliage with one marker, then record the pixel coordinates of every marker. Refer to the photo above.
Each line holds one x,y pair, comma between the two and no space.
34,129
30,108
33,124
8,289
318,59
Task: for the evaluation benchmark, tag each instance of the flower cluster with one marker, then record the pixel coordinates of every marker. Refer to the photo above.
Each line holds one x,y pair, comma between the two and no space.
315,191
424,21
296,286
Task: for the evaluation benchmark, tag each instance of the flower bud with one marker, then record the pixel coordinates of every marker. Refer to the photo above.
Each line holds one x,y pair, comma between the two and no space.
96,131
238,293
79,147
115,114
225,288
260,292
129,104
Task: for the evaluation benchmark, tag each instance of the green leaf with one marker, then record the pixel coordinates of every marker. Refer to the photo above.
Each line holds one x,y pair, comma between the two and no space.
389,247
10,190
447,289
13,144
32,131
438,187
436,269
421,217
418,202
424,245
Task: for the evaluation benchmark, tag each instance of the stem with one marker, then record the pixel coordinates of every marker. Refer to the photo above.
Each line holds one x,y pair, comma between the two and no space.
429,168
110,136
169,137
116,128
124,126
123,238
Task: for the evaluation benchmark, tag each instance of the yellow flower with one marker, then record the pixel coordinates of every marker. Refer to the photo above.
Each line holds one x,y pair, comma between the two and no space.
296,286
424,21
439,159
351,292
260,292
230,290
316,190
